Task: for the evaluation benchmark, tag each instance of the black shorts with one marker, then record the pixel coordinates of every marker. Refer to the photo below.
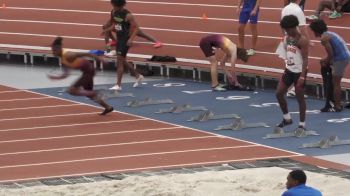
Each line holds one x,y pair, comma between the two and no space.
207,47
289,78
122,47
87,78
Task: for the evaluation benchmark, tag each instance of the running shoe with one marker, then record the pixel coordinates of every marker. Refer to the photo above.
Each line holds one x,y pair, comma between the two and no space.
285,122
312,17
219,88
138,81
158,44
334,15
331,109
106,111
116,87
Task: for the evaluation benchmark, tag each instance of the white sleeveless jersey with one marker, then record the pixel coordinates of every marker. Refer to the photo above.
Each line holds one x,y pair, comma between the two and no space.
294,60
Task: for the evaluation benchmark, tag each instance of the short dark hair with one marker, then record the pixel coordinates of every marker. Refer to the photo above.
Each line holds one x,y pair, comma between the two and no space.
319,26
57,42
298,175
289,21
242,54
118,3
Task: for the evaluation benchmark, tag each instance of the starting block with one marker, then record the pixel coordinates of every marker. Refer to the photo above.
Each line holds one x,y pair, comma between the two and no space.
208,115
327,143
239,124
105,95
280,133
182,108
149,101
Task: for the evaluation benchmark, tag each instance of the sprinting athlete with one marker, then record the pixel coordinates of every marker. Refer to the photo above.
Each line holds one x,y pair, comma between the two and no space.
84,85
211,42
296,56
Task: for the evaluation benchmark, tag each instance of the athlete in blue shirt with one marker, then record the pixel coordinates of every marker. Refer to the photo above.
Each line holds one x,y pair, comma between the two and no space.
338,57
296,185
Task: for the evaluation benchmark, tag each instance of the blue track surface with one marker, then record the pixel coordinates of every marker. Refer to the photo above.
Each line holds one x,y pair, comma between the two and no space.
217,102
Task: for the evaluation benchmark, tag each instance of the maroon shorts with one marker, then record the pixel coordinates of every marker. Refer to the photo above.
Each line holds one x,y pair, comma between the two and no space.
87,78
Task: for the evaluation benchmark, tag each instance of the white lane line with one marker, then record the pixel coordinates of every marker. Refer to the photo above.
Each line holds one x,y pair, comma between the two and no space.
50,116
106,145
88,135
148,168
25,99
125,156
11,91
147,28
41,107
153,15
71,125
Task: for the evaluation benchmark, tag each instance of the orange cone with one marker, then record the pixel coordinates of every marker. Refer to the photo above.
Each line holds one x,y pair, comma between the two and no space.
204,17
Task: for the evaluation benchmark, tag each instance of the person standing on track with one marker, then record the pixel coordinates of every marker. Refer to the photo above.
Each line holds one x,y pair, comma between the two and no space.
126,27
296,48
211,42
294,9
74,60
338,58
249,11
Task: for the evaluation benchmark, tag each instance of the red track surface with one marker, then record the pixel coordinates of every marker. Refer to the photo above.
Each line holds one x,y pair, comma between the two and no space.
56,137
44,137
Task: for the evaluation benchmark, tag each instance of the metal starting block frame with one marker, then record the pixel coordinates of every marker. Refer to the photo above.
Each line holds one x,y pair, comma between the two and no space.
278,132
327,143
208,115
149,101
105,95
181,108
239,124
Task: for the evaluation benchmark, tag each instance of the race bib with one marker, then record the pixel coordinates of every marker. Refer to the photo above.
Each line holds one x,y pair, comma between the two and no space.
118,27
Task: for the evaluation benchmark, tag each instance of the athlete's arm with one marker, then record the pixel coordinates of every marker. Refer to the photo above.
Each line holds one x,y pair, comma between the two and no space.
325,41
257,4
133,28
304,49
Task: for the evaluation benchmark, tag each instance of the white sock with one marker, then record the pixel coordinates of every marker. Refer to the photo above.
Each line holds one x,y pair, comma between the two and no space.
287,116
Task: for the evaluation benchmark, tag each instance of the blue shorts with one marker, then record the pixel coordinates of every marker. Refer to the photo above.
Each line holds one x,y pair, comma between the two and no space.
244,16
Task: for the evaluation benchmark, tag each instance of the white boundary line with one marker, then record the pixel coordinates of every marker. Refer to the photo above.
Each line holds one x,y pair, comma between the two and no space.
41,107
148,168
125,156
107,145
90,134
